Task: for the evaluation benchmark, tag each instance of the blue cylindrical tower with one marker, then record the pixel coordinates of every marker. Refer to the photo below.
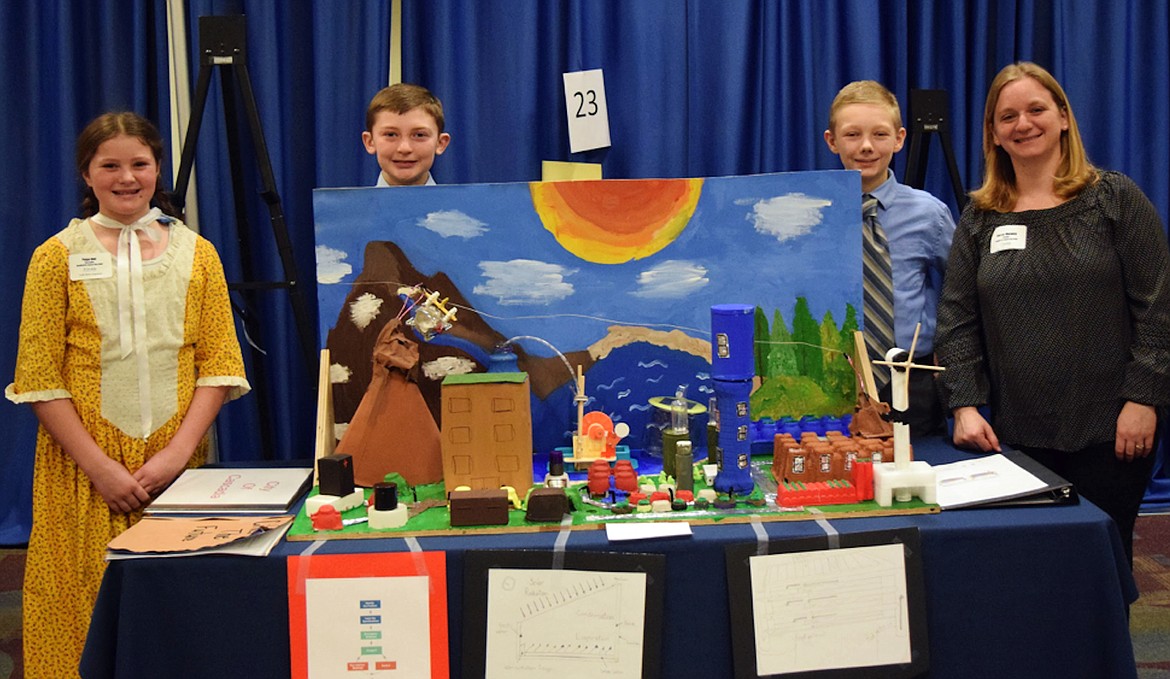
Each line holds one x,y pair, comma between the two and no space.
732,370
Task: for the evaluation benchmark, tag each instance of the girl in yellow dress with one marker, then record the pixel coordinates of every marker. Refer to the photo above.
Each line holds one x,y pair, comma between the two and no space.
127,351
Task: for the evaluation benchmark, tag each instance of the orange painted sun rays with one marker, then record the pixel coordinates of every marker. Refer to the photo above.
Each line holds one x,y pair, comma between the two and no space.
615,221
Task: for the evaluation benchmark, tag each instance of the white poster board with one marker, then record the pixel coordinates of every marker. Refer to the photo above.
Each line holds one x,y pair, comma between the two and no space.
359,627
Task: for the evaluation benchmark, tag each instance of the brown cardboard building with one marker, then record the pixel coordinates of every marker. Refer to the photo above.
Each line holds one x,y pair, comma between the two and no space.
487,431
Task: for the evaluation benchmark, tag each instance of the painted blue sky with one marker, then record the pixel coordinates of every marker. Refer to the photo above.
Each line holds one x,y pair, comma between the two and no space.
759,239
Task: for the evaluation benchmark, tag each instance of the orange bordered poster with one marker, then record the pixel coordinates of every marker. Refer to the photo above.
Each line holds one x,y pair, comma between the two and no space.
368,615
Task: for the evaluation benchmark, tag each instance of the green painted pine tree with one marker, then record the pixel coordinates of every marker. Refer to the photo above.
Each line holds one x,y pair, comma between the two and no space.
762,347
807,333
838,375
781,355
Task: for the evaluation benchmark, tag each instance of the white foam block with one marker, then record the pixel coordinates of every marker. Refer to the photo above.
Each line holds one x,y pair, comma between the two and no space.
338,502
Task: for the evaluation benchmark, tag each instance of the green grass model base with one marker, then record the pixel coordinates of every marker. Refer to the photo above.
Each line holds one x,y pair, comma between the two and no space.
593,513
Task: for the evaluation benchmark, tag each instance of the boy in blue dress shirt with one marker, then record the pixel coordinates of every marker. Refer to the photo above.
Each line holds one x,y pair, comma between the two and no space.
404,131
865,131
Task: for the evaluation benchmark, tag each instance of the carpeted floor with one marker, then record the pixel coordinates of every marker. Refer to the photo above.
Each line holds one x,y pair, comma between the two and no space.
11,574
1149,617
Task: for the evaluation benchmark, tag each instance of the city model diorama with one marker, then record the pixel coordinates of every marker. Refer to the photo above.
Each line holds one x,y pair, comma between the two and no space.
522,353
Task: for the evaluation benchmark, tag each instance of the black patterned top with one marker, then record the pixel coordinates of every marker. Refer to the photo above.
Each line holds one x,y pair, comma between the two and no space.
1057,331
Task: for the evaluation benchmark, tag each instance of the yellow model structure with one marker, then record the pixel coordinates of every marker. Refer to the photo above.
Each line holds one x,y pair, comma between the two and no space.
596,436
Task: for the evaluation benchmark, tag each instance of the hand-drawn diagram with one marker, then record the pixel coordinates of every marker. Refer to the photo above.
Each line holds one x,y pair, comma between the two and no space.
566,623
828,609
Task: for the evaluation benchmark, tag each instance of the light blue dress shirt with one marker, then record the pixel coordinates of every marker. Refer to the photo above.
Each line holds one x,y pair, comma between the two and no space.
919,228
382,181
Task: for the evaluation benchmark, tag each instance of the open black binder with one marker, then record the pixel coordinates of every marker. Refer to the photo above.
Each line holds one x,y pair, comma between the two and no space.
1056,490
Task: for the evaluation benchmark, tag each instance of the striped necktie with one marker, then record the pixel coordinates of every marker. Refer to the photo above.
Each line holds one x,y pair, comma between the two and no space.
878,288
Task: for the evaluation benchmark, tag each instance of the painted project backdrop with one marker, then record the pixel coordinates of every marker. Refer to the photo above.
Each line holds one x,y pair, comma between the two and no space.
616,275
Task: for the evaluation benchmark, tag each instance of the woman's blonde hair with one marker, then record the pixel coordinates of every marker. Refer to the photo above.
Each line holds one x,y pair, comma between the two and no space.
1075,172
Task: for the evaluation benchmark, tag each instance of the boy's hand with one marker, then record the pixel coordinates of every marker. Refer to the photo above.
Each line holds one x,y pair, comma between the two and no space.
121,491
972,431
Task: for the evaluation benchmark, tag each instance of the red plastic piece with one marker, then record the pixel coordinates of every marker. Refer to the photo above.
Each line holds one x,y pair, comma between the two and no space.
624,476
862,476
599,477
327,518
799,494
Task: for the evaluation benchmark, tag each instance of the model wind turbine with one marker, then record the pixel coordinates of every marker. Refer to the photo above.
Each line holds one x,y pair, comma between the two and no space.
902,479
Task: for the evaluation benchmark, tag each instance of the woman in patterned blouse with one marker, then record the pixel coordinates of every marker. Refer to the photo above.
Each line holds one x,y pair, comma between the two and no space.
1056,309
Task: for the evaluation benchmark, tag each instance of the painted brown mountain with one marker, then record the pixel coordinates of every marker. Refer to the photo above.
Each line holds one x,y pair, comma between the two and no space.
385,269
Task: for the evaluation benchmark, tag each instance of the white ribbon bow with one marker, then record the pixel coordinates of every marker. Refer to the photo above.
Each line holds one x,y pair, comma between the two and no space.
132,301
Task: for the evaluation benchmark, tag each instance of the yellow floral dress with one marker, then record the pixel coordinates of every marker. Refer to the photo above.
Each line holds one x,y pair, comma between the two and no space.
69,347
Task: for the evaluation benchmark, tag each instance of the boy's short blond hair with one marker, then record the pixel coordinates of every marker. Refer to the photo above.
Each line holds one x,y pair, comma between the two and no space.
401,98
865,92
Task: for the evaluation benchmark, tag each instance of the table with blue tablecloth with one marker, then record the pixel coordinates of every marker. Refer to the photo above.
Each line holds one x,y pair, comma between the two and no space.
1011,592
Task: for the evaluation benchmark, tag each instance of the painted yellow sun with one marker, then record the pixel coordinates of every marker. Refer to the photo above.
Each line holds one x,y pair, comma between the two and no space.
614,221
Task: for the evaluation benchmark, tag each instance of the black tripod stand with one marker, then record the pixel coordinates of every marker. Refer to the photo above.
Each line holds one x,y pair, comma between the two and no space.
930,113
222,43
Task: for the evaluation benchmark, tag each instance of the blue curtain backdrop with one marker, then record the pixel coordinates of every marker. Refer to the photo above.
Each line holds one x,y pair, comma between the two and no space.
313,67
695,88
59,68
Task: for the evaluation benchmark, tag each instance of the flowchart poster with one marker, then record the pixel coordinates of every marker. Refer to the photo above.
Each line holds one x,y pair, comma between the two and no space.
368,615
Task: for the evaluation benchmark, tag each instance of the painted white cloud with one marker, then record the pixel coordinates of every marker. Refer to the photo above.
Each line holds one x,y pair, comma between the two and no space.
447,365
788,216
672,279
449,223
364,309
339,374
524,281
331,265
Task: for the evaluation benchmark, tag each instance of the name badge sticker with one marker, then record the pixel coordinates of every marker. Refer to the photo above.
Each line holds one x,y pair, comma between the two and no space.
1009,237
90,266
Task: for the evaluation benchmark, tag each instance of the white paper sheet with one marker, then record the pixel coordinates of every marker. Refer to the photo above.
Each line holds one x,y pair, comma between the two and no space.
827,609
982,479
564,623
368,627
588,114
617,531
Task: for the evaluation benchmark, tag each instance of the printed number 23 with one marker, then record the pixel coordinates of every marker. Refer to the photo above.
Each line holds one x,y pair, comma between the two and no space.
586,103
